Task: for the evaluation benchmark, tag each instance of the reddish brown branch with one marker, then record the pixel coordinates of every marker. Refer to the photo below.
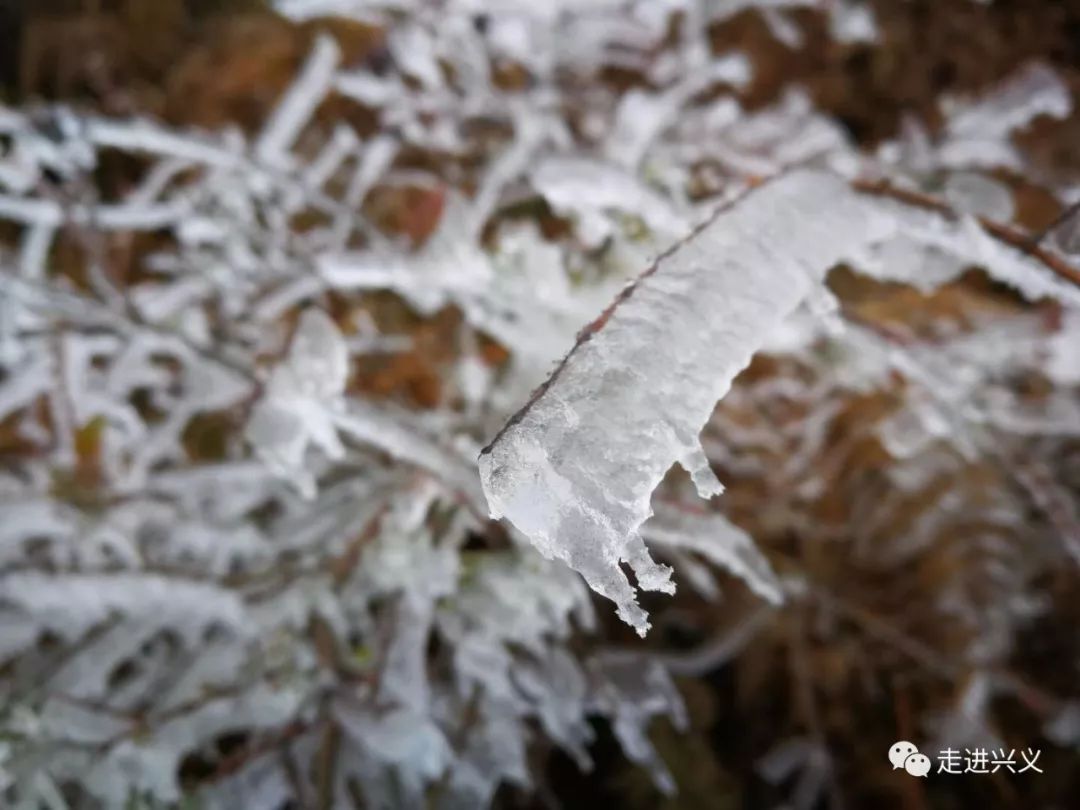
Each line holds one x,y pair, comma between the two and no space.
1005,234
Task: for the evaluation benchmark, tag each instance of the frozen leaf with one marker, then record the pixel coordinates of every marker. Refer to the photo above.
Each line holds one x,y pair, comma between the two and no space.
590,189
632,691
641,116
977,131
296,108
70,605
575,468
168,603
301,395
719,541
403,739
1035,90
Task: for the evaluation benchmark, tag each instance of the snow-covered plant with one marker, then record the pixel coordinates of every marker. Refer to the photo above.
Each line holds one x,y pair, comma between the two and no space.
233,575
576,468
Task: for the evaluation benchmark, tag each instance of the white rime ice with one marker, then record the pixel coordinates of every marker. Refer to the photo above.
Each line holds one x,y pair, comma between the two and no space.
303,392
216,518
576,469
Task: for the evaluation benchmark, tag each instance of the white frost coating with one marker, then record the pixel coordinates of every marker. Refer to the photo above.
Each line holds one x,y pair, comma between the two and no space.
49,214
718,540
852,22
301,394
1063,360
449,265
642,116
949,246
588,189
576,469
979,195
409,441
296,109
146,137
71,604
1036,90
283,599
977,131
724,9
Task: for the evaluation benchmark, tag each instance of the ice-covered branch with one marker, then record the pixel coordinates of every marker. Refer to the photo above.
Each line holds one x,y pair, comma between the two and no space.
576,467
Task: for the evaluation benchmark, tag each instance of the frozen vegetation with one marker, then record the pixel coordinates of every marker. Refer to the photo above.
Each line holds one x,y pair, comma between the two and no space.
329,581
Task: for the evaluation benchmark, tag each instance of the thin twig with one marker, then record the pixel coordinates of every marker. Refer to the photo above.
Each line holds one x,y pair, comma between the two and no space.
1024,242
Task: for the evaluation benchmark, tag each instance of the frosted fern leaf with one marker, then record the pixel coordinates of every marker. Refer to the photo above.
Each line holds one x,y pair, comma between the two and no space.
576,467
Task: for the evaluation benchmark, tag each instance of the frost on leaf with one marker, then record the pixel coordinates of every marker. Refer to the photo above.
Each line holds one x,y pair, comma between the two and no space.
300,395
166,602
719,541
576,468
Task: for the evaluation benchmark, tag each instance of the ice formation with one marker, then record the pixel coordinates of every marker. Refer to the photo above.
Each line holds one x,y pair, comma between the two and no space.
575,469
210,530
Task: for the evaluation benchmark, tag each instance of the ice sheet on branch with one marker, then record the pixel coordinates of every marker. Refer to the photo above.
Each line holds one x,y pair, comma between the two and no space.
576,467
